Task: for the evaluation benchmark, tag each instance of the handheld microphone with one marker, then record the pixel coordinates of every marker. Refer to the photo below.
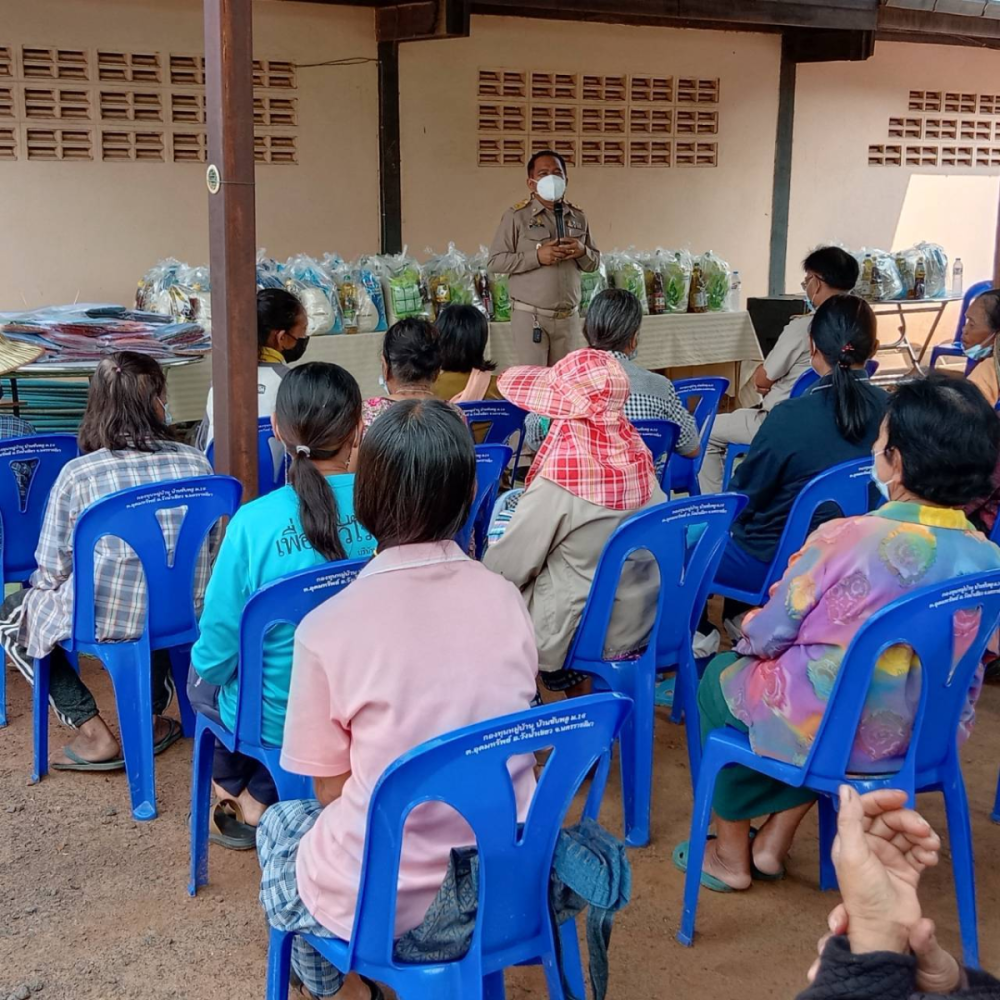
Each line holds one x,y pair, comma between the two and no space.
560,226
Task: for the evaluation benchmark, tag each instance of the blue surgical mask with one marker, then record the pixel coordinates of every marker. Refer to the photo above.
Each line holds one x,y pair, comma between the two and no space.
383,385
883,488
810,308
978,351
167,417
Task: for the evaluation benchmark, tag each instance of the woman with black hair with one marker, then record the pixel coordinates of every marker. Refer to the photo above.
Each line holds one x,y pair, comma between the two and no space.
466,373
935,450
125,441
399,657
308,522
411,363
281,340
836,421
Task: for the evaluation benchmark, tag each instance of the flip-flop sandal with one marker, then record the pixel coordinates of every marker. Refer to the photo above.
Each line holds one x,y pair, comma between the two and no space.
663,693
175,733
78,763
755,872
709,881
227,828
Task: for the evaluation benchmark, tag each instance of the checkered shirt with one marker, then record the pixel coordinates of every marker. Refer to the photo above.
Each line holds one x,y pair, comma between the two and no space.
592,450
14,427
119,585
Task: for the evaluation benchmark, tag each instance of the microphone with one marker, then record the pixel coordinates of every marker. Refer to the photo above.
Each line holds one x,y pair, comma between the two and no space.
560,226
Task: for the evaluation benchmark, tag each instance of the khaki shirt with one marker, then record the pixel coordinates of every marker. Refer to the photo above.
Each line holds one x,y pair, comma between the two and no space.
515,252
550,552
788,359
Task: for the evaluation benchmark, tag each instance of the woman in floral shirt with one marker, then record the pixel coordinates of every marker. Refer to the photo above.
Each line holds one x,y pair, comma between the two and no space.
936,449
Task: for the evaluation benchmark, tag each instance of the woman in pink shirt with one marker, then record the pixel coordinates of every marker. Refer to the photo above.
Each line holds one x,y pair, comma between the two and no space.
425,641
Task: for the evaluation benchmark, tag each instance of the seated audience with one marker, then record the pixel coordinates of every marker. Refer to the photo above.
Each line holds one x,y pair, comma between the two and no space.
371,693
308,522
936,448
880,946
829,271
979,335
281,339
591,473
411,363
466,373
612,325
125,442
836,421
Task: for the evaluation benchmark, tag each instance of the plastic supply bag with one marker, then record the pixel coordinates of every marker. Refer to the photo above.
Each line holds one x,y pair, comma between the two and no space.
197,287
625,271
481,277
668,272
935,266
151,294
268,271
403,285
371,302
716,274
311,281
592,283
500,293
879,281
450,280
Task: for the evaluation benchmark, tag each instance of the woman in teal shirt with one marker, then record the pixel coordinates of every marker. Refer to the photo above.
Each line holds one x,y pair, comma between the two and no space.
308,522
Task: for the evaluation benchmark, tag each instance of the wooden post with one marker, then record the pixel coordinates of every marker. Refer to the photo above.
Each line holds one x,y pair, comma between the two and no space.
390,176
781,191
232,236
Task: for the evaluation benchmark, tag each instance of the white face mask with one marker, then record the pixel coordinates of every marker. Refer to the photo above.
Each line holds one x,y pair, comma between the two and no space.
551,187
883,488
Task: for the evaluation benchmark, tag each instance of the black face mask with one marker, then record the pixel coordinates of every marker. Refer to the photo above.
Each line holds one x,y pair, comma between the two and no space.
296,352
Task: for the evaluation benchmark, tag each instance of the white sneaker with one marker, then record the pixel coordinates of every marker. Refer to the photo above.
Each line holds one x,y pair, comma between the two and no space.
706,645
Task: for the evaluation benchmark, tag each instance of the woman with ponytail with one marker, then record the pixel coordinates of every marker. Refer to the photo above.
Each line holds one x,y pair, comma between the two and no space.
310,521
836,421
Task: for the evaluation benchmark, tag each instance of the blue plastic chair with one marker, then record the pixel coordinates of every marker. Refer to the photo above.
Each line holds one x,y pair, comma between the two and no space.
923,621
686,538
171,622
21,515
467,770
491,460
272,462
954,349
660,437
708,392
504,420
846,485
287,600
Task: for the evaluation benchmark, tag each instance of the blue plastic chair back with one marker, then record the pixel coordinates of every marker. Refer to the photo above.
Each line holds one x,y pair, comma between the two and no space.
491,460
660,437
804,383
29,468
287,601
272,462
503,418
131,516
708,392
467,770
871,366
848,486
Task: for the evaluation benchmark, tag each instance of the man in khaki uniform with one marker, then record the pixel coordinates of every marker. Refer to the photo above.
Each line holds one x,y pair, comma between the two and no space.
544,270
829,271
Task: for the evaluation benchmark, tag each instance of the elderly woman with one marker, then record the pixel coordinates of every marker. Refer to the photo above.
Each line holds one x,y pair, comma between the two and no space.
591,473
982,324
411,363
936,449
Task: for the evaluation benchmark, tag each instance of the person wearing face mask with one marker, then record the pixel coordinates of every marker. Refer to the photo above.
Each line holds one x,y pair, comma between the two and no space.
544,269
828,271
982,324
281,341
124,442
935,450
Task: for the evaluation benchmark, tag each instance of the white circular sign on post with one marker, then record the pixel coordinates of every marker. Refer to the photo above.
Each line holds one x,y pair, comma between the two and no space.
213,179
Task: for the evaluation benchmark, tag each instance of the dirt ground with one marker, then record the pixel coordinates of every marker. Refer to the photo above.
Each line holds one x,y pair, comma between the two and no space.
94,906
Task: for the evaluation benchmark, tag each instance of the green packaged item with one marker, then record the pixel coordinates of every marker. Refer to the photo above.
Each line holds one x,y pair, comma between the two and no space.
717,278
624,271
500,292
451,281
405,291
592,283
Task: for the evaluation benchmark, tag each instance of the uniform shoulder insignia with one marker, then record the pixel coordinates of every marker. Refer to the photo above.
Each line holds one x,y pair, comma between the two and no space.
576,208
521,204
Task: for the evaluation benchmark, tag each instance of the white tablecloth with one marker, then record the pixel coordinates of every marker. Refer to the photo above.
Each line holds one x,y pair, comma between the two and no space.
666,342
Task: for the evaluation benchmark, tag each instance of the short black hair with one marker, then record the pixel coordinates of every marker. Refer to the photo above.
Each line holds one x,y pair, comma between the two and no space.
543,153
416,474
412,350
277,309
463,332
991,300
947,437
833,266
613,319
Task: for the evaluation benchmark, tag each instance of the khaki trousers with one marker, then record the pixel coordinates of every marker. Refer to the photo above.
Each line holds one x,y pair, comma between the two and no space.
558,338
738,427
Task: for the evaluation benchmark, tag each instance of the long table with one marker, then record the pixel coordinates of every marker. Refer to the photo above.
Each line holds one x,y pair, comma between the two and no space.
666,342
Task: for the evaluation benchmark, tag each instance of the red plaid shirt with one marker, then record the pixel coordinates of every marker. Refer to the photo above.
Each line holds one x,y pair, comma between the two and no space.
591,450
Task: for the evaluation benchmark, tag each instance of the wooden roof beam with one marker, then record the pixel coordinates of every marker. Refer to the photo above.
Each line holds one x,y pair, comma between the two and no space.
422,20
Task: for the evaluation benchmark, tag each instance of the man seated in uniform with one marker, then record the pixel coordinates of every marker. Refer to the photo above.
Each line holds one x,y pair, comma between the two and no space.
544,268
829,271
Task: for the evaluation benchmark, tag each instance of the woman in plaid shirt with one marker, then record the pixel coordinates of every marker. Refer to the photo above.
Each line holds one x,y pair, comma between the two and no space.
125,442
